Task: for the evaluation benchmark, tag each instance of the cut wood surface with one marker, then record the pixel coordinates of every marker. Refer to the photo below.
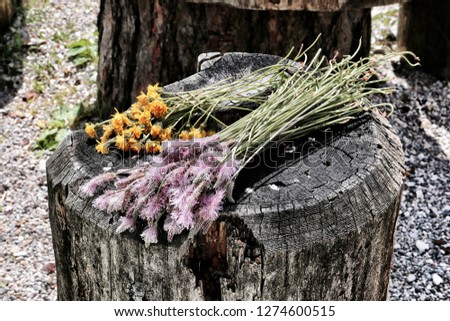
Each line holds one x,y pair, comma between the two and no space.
149,41
318,226
308,5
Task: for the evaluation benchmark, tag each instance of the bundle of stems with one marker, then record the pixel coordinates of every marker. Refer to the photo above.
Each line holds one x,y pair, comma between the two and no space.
197,107
319,95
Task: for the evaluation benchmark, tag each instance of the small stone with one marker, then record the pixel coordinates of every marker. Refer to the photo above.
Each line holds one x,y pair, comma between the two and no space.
422,246
437,279
20,253
42,165
18,114
50,268
41,124
249,190
274,187
411,278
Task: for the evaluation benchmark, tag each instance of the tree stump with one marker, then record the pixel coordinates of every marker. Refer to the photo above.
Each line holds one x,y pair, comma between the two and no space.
317,226
424,28
149,41
7,11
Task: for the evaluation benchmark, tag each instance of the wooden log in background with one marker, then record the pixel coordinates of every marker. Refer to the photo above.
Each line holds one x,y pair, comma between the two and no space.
302,5
149,41
424,28
7,11
318,226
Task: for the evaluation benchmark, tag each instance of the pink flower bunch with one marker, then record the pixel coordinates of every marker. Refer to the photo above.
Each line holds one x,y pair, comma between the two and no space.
184,186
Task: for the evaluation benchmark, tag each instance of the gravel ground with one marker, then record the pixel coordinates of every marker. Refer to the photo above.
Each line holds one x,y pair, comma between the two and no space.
421,266
48,79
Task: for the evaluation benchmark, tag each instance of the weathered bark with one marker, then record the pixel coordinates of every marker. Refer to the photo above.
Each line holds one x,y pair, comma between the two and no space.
7,11
424,28
318,226
149,41
308,5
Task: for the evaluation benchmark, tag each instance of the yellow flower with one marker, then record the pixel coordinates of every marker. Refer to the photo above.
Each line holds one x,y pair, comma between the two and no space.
121,143
118,121
144,118
136,131
156,131
157,148
184,135
102,147
104,138
166,134
135,111
90,130
152,147
158,108
127,133
142,99
107,131
153,92
134,145
210,133
196,133
126,120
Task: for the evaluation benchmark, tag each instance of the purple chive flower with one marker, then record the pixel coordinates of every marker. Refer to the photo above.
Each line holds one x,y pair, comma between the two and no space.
184,218
150,235
201,172
116,201
225,174
102,202
176,177
178,195
207,141
126,223
125,182
211,205
152,210
172,228
91,186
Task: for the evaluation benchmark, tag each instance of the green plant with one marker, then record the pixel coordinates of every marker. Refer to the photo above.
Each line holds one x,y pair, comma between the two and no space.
38,87
57,129
61,36
82,52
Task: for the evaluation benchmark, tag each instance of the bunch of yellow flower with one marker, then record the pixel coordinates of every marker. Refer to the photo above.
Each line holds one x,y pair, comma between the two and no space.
140,128
137,129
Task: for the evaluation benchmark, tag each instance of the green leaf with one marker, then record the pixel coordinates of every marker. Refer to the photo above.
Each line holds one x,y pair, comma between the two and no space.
79,51
65,115
46,134
62,133
81,61
53,123
80,43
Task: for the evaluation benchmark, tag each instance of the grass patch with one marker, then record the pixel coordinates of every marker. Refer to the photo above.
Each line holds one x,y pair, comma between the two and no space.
61,120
